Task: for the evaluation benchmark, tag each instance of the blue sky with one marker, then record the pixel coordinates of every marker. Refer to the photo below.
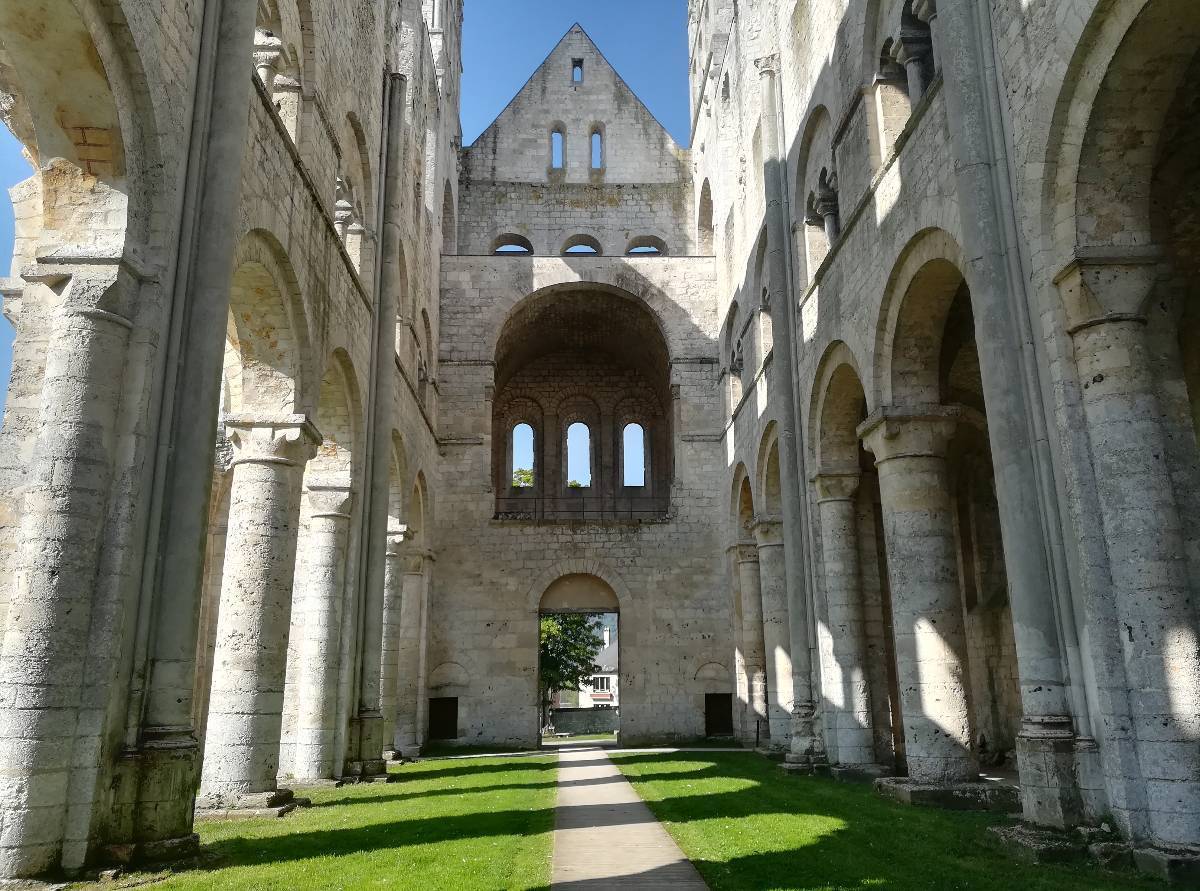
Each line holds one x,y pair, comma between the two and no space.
504,41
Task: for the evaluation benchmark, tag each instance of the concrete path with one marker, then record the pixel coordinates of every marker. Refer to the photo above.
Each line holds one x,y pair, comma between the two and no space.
605,836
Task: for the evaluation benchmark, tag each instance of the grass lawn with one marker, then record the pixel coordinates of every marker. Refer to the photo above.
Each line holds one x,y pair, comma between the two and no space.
464,824
746,825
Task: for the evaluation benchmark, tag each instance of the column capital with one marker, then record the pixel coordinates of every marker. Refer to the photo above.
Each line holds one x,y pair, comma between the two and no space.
912,45
909,431
837,486
925,10
1107,284
268,49
746,552
291,439
767,65
329,498
768,531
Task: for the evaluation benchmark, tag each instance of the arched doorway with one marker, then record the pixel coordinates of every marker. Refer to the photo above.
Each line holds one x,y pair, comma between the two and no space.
578,622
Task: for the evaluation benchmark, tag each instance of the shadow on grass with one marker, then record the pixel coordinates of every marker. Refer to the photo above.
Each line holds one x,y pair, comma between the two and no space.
782,831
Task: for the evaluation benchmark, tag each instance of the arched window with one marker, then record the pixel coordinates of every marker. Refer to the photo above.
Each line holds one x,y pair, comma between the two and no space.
646,245
582,244
522,465
633,456
598,159
577,71
579,456
557,149
512,244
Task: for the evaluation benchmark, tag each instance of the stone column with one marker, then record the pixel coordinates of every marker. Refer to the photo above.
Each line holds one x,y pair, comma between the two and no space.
414,584
241,757
1105,296
752,641
805,745
64,508
393,599
268,49
847,692
911,49
321,592
922,554
926,11
776,631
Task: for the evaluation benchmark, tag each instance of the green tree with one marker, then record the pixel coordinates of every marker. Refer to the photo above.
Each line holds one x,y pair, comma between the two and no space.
574,484
567,649
523,477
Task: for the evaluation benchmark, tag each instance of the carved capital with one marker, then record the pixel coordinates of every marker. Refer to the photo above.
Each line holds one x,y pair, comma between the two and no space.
913,45
768,532
746,552
909,431
1107,284
330,499
268,49
290,440
834,486
767,65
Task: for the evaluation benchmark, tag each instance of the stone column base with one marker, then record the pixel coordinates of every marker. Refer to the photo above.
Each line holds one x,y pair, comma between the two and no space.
248,805
162,851
977,796
856,773
1046,763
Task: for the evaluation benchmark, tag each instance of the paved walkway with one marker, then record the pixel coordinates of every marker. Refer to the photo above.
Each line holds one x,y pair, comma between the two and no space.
605,836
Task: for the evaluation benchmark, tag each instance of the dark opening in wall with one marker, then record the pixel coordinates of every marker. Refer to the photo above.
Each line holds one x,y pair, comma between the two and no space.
718,714
443,717
577,71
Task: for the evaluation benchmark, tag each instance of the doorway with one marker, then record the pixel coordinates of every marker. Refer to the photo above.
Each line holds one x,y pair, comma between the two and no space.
579,678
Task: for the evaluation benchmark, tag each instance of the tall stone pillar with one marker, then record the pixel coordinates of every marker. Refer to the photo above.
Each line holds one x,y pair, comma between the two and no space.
321,592
393,601
776,632
1105,296
847,689
414,585
45,643
757,725
241,757
805,745
922,552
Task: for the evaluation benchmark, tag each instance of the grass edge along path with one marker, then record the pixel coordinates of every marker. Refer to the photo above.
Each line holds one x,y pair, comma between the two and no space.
747,825
459,825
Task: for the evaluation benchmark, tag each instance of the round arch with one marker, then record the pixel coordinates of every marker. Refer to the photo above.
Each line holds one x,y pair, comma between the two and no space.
838,405
597,569
579,593
924,283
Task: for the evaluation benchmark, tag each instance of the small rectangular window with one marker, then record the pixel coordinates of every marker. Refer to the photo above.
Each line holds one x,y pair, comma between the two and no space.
577,71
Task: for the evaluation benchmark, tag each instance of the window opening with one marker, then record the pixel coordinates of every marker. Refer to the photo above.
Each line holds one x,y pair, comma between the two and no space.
579,456
522,457
597,150
556,150
512,244
581,244
634,452
577,71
